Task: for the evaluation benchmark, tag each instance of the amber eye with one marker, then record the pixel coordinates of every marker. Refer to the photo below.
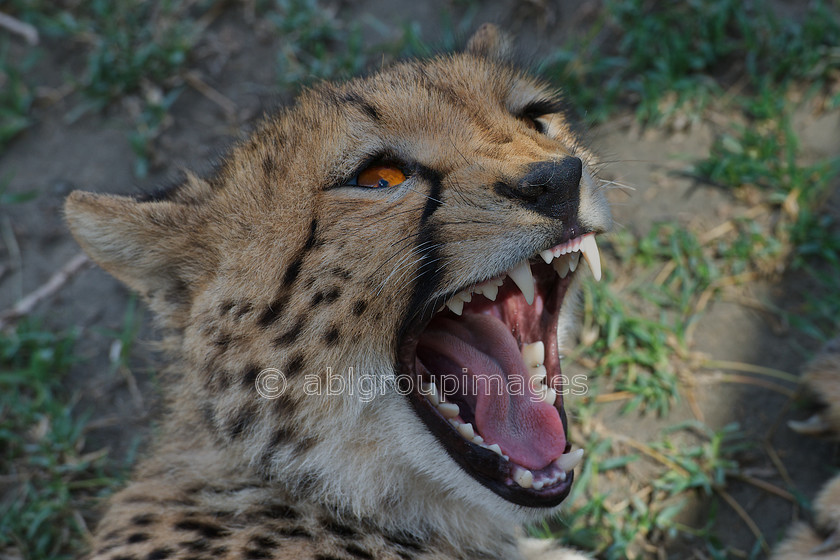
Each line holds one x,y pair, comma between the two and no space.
533,123
380,176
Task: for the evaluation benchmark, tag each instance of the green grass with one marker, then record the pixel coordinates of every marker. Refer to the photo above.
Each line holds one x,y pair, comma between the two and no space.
42,435
671,56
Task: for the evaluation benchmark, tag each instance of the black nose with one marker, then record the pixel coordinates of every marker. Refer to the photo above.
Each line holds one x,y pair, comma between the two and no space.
551,188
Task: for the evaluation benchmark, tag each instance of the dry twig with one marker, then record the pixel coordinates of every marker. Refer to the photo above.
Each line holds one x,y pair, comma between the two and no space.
56,281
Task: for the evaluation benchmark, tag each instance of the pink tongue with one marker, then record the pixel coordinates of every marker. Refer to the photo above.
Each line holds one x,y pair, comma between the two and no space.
507,410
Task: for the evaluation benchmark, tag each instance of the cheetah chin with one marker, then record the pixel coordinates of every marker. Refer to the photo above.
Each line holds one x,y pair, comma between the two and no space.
502,420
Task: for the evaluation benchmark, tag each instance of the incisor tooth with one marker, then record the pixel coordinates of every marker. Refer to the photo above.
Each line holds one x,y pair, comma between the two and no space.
533,354
456,305
547,256
466,430
491,291
523,477
561,266
549,395
589,249
522,277
568,461
495,448
449,410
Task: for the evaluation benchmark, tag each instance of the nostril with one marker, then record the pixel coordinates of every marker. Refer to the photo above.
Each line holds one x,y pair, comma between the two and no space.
551,188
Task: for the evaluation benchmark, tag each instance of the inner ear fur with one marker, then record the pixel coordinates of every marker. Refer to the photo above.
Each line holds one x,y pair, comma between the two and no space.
150,246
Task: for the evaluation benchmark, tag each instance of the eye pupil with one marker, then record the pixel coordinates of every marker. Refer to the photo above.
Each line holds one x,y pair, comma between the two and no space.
383,183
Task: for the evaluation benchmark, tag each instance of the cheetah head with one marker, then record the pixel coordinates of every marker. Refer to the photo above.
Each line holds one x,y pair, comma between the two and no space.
420,233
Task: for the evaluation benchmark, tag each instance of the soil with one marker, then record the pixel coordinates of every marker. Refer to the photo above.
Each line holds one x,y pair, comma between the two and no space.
93,153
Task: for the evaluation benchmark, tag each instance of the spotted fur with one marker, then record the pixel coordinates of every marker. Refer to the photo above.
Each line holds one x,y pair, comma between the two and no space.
275,263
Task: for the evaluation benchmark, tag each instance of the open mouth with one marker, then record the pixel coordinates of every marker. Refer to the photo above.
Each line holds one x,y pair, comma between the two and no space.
486,378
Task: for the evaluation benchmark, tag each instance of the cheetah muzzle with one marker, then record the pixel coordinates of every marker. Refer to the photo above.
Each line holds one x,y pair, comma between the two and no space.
485,366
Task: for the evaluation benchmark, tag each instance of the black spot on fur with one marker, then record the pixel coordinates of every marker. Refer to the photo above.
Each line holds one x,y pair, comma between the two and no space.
262,541
256,553
243,419
296,532
332,294
218,551
137,538
332,335
250,376
143,520
340,529
208,414
124,557
178,294
295,364
244,309
358,552
273,312
222,341
317,299
206,530
268,164
225,308
280,511
198,545
359,307
219,380
161,553
327,557
406,541
290,336
342,273
293,271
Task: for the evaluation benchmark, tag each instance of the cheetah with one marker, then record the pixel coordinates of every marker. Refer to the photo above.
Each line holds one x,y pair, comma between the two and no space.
820,540
364,306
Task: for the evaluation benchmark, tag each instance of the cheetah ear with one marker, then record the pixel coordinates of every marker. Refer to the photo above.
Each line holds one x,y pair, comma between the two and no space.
150,246
490,42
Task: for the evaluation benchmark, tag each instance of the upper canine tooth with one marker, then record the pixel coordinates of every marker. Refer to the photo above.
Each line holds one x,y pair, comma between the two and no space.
522,277
574,259
547,256
568,461
456,305
561,266
589,249
533,354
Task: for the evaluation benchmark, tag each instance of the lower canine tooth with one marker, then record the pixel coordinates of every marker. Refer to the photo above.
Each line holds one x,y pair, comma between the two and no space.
523,477
449,410
568,461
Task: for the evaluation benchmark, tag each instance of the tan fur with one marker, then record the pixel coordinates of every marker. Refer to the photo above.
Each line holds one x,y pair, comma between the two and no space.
820,540
264,265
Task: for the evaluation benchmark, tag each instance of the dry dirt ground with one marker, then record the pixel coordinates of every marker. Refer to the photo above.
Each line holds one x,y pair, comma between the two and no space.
93,153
